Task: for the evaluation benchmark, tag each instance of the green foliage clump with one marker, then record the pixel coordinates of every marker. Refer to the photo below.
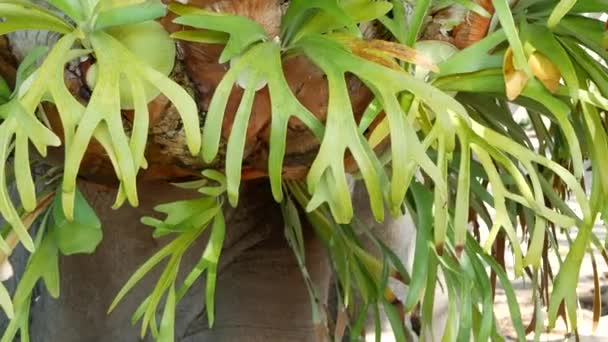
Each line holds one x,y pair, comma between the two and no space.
455,158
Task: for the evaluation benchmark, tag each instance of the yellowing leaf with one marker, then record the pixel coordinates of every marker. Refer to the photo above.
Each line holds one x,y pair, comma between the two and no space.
515,80
545,71
380,133
385,52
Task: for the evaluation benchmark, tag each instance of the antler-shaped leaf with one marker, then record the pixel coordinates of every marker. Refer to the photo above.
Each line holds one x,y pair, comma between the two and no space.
565,285
101,118
18,129
103,113
189,219
243,31
251,62
264,62
387,84
485,140
21,123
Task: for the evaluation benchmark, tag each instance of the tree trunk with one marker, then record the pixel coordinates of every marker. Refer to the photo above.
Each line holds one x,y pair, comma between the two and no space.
260,293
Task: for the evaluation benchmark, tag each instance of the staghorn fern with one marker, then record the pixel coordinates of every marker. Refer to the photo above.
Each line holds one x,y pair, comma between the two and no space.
574,66
327,171
101,117
187,219
455,151
512,170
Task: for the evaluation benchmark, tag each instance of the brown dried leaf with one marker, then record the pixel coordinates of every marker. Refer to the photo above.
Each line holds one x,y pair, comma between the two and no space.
385,52
545,71
515,80
401,52
377,58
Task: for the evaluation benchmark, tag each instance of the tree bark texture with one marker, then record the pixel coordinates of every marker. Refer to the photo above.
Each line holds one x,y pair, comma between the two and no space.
260,293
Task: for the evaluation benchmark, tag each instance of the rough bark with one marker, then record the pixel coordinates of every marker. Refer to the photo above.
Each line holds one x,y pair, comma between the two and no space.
260,293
